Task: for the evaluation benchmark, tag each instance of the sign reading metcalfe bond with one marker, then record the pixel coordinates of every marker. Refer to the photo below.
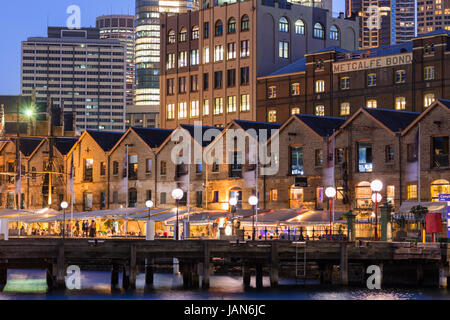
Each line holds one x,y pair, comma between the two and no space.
372,63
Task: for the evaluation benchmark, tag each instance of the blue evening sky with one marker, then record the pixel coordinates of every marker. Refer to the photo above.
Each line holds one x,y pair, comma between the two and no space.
20,19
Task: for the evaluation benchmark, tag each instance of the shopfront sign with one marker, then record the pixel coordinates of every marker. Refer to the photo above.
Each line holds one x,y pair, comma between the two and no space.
372,63
446,198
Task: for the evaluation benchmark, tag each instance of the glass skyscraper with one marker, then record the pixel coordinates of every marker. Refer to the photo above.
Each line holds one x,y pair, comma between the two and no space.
147,53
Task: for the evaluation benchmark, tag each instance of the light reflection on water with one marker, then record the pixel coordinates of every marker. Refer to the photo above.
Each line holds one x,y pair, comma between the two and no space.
30,284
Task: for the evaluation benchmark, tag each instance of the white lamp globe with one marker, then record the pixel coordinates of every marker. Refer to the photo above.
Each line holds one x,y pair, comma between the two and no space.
64,204
376,197
233,201
149,204
228,231
376,185
253,200
330,192
177,194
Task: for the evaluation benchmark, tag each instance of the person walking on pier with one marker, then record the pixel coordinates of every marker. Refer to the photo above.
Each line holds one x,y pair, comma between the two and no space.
92,229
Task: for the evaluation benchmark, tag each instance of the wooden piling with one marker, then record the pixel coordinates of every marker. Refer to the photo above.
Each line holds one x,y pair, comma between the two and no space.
133,267
326,273
206,266
344,265
274,267
419,273
246,276
187,271
60,268
126,277
195,277
51,281
149,272
3,275
114,276
259,276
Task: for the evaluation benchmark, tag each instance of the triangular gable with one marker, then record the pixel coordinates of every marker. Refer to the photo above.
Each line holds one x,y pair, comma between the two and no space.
435,104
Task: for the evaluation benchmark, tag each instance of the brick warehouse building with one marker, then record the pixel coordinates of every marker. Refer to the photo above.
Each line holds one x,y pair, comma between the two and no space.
336,82
372,144
210,58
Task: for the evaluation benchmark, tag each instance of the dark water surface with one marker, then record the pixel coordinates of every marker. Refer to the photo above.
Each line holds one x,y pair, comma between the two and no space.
31,284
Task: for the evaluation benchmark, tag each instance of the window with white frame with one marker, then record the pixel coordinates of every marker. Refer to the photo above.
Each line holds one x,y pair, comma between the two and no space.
231,52
206,55
283,51
283,25
195,110
218,105
299,27
245,48
182,110
218,53
195,59
245,102
183,59
170,111
231,104
206,107
320,86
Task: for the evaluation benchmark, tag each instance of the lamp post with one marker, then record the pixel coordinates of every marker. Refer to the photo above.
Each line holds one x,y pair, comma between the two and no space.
64,206
177,194
149,204
253,201
330,192
376,186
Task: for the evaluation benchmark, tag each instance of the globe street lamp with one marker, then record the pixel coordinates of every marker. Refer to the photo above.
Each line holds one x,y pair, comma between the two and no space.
64,206
330,192
177,194
233,202
376,186
253,201
150,232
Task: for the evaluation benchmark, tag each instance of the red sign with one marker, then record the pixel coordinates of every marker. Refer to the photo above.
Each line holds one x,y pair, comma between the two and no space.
434,222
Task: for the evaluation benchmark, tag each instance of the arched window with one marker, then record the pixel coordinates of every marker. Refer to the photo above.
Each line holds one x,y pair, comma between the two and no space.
171,38
438,187
319,31
245,23
195,33
232,25
334,33
363,194
183,35
218,28
283,25
299,27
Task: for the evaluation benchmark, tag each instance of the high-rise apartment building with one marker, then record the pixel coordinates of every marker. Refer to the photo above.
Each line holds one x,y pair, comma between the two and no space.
121,27
211,58
81,73
433,15
147,51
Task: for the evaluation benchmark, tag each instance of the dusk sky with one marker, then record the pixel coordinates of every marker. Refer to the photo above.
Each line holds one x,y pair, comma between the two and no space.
21,19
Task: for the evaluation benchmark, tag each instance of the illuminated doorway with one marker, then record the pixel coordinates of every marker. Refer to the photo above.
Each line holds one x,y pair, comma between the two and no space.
295,197
438,187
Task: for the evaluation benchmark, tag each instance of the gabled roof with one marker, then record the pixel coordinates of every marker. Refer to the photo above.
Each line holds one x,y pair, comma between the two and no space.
63,145
191,129
444,103
105,139
28,145
153,137
435,33
247,125
323,126
327,49
394,120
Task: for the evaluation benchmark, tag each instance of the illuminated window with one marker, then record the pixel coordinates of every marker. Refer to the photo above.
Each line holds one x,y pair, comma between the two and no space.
218,53
299,27
245,48
345,109
195,109
334,33
320,86
205,107
400,76
428,73
438,187
345,83
182,110
170,61
283,51
232,25
283,25
218,105
183,59
295,111
272,92
171,38
428,99
245,102
170,111
195,33
245,23
372,104
206,55
274,195
231,52
400,103
272,116
411,191
372,79
319,31
390,194
320,111
231,104
295,89
183,35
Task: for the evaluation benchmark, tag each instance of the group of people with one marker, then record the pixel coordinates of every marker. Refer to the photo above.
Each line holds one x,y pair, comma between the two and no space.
87,229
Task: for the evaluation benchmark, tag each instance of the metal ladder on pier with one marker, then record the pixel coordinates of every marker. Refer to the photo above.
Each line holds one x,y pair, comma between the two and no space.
300,268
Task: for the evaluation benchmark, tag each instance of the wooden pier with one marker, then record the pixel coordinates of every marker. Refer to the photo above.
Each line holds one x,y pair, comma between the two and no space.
400,262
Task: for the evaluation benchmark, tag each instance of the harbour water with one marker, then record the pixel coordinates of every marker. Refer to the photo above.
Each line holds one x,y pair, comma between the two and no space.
95,285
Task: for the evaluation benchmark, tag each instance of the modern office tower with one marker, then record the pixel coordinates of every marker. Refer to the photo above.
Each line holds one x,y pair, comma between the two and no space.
211,58
80,73
433,15
147,52
121,27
